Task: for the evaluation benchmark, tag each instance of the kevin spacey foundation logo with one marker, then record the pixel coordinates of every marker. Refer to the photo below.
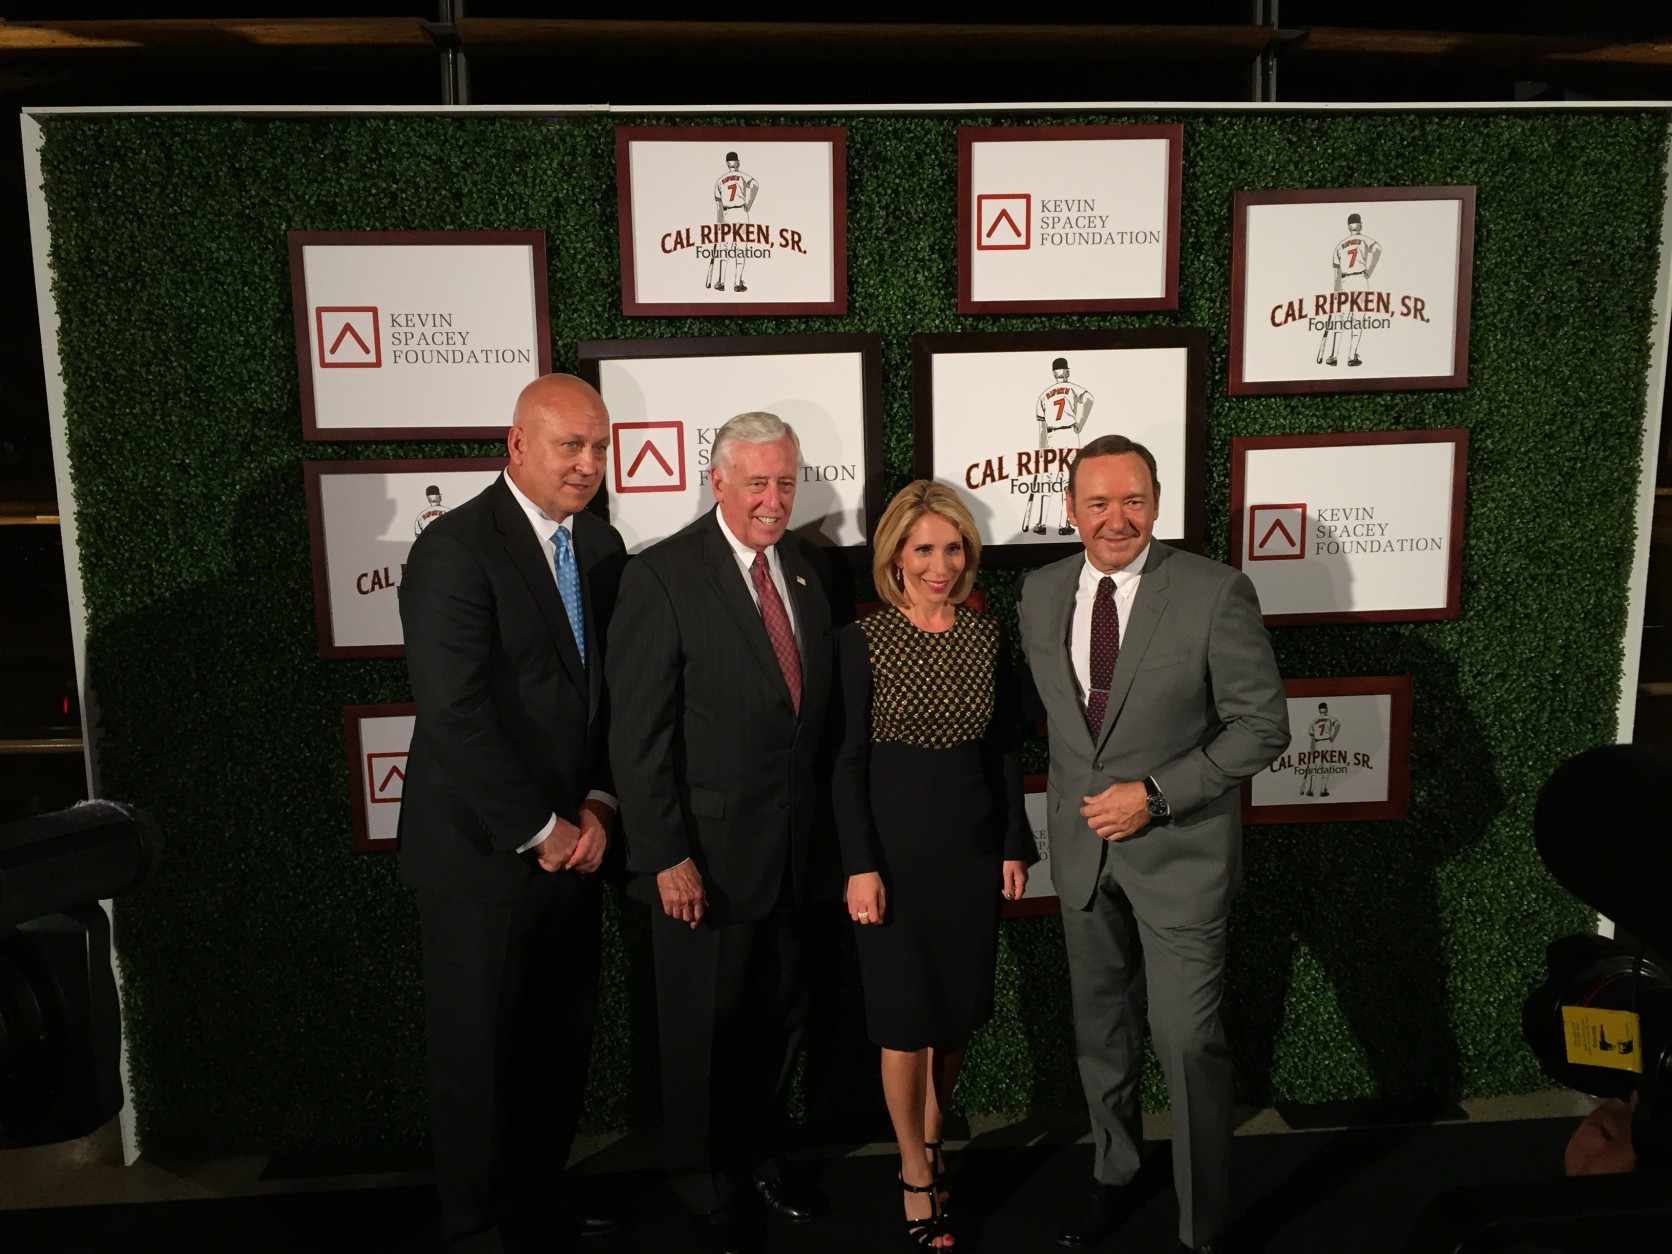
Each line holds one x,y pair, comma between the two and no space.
351,336
1280,533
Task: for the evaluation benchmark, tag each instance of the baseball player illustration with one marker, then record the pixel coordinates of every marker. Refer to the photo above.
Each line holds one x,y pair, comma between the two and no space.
430,512
1354,261
1061,415
734,196
1321,731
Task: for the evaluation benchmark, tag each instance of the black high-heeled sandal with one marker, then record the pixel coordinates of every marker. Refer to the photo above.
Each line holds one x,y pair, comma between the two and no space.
937,1167
924,1233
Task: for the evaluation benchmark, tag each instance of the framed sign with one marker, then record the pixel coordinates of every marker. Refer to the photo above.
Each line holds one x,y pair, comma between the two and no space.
668,398
377,738
362,519
1364,527
1349,754
417,335
1041,895
1000,417
725,220
1360,289
1055,219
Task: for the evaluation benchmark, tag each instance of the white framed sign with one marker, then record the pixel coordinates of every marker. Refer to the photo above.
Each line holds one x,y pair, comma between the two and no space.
1351,289
377,738
417,334
1056,219
1349,754
668,398
362,519
1361,527
728,220
1000,416
1041,895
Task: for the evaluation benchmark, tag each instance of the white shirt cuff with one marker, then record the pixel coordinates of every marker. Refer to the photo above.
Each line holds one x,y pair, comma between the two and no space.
607,798
545,831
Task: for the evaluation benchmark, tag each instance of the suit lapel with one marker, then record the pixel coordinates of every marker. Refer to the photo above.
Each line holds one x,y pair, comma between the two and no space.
728,583
523,548
1059,689
587,554
1148,607
810,609
1059,627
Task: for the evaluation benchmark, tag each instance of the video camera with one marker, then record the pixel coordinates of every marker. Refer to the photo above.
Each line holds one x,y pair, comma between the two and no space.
1602,1022
60,1030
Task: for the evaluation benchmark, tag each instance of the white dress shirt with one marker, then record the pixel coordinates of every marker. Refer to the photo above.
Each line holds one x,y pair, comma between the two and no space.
1079,638
545,527
746,561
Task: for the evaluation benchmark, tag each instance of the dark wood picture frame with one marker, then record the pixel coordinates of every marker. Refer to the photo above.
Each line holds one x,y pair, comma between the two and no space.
925,348
1241,201
1398,803
864,344
312,473
360,820
303,322
968,136
835,136
1458,437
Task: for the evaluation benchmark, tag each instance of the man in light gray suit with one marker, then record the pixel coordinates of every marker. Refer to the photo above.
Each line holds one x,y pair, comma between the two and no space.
1162,692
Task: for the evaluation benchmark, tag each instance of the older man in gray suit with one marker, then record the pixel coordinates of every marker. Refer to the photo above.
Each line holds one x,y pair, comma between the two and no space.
1158,679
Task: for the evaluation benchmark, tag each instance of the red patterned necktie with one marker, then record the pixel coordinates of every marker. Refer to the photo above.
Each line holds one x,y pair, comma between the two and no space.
1105,648
778,631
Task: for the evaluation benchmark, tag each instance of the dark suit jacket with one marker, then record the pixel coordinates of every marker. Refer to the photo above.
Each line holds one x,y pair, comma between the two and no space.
710,758
511,726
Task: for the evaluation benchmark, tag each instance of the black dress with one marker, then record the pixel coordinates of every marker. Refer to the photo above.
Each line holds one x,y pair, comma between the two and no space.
929,794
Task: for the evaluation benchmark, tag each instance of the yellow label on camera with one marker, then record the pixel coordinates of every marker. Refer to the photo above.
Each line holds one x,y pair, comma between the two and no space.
1603,1038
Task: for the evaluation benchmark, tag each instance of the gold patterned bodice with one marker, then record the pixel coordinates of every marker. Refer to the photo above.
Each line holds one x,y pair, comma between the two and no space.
930,689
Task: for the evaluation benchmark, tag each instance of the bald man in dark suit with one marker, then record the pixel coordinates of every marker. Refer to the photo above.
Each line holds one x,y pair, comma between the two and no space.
505,816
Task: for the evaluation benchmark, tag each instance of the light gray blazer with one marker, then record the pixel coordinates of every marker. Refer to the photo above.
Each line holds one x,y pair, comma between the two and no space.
1196,702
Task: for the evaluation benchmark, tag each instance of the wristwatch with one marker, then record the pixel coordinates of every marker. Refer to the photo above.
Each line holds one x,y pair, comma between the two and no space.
1158,807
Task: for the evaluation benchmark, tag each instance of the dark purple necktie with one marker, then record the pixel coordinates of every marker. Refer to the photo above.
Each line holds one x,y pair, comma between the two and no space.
1105,648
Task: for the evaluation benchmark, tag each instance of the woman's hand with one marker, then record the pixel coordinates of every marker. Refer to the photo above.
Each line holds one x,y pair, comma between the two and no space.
1015,880
866,898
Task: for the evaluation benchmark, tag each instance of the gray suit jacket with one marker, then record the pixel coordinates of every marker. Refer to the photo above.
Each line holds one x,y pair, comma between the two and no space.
1196,702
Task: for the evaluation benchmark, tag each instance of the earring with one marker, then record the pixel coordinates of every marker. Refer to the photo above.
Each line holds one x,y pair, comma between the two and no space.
899,579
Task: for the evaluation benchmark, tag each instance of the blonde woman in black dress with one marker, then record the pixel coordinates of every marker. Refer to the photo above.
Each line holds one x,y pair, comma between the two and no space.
929,812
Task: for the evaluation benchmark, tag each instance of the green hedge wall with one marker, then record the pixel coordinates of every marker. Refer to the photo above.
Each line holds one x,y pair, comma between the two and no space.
271,975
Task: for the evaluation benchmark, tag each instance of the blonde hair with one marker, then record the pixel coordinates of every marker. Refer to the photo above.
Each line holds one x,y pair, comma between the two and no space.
910,503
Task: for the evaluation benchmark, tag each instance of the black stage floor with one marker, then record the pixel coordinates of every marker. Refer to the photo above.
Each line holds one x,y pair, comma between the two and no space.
1357,1190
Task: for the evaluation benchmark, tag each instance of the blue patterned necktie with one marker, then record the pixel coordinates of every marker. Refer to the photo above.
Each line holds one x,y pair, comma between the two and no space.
569,587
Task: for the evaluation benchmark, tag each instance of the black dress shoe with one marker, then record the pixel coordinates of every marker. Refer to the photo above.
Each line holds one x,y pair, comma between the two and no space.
788,1198
1100,1216
591,1221
718,1232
